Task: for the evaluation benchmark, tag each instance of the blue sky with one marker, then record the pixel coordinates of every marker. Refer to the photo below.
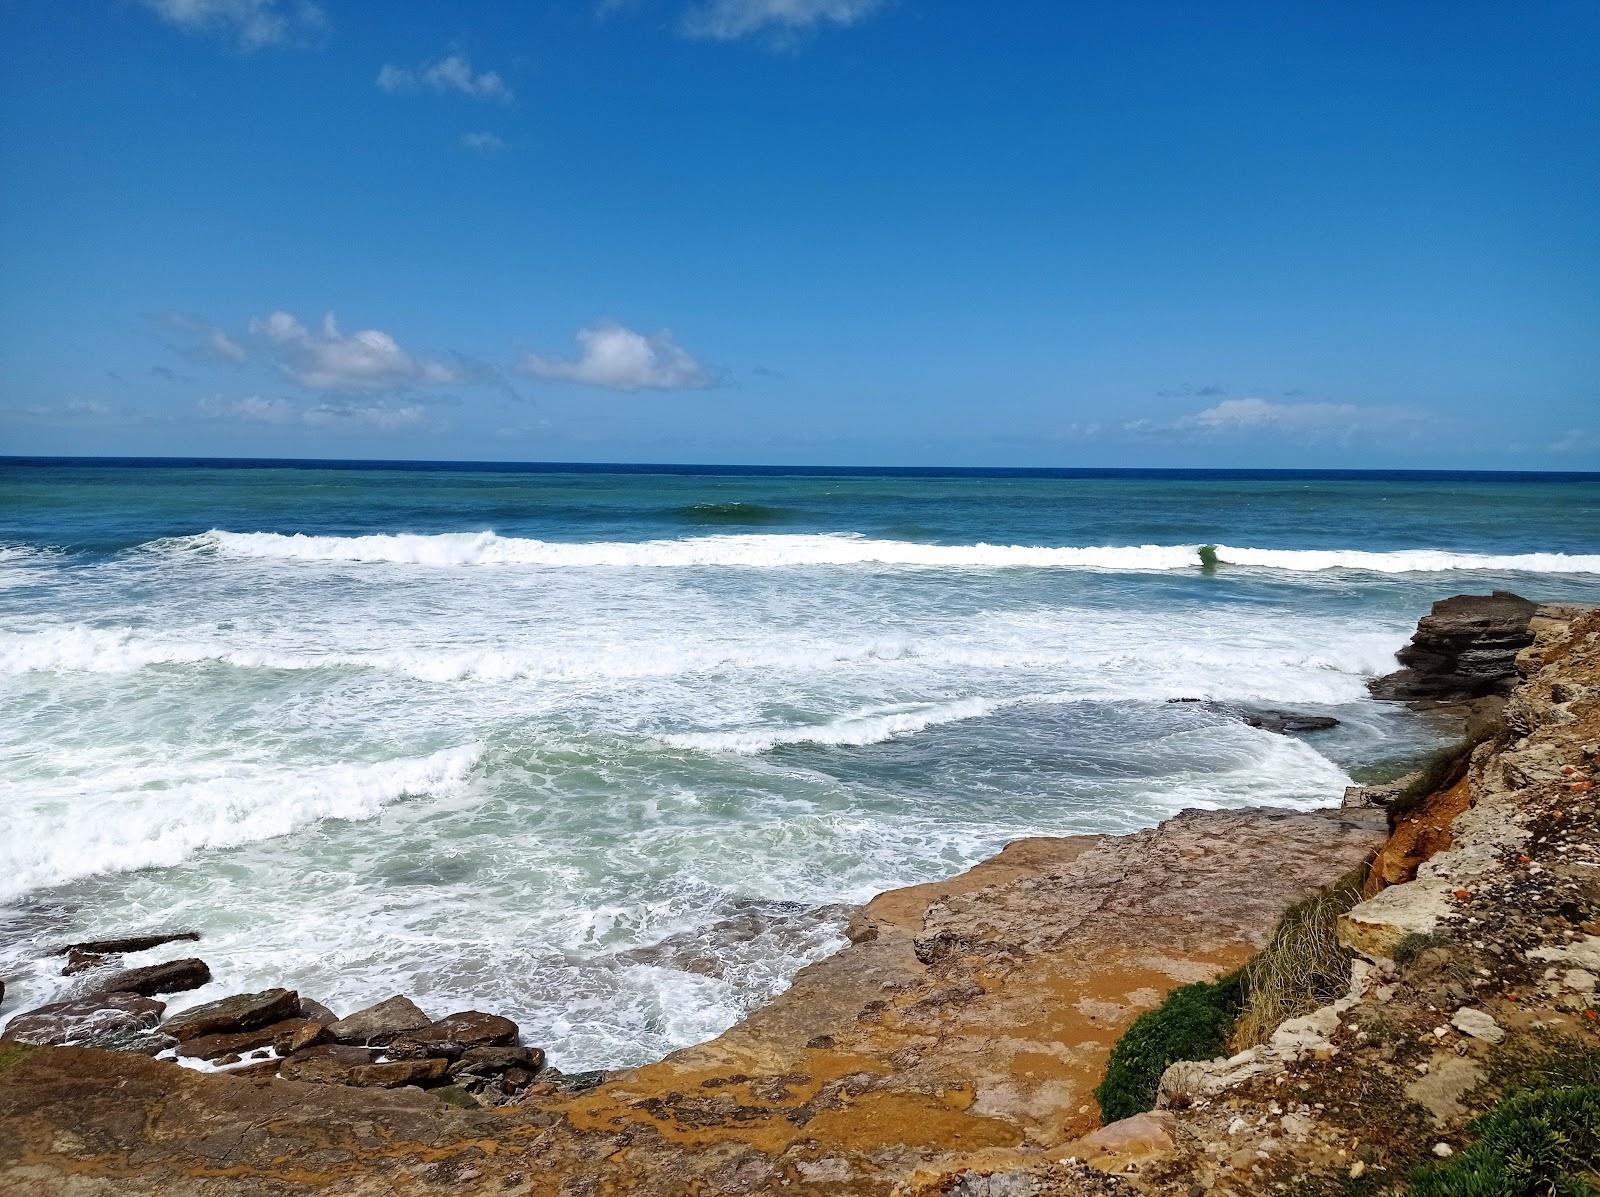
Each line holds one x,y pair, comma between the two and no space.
808,231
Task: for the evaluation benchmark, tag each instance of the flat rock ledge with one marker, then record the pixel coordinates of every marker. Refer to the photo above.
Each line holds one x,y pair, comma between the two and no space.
966,1018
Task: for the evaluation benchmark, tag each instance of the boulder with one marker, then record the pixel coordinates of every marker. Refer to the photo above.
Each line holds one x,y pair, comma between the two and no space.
128,943
1466,648
453,1035
378,1025
211,1047
303,1034
79,961
339,1064
317,1012
242,1012
173,976
108,1020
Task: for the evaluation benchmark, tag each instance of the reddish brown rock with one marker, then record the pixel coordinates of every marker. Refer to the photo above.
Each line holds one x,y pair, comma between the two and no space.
241,1012
172,976
338,1064
303,1034
377,1025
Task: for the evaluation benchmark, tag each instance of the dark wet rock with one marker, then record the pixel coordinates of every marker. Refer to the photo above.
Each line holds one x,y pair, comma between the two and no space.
1465,648
1285,722
128,943
379,1024
488,1061
172,976
339,1064
210,1047
1266,718
453,1035
111,1020
241,1012
317,1012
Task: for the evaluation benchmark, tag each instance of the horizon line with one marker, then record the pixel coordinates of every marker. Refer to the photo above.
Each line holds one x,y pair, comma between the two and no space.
152,460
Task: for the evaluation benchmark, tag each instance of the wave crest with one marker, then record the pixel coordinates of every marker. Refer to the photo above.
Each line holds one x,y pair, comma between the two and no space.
768,551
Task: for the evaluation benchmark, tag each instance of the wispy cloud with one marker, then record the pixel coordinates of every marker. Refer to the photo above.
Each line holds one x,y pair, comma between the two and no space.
250,24
482,143
730,20
375,416
1306,422
325,359
620,359
199,340
452,73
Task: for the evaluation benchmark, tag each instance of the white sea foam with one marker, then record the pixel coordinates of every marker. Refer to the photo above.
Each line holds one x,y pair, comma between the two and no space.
159,815
766,551
857,730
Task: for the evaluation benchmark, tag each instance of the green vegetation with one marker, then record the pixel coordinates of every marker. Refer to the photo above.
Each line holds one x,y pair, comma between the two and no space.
12,1054
1535,1143
1303,966
1192,1024
1415,943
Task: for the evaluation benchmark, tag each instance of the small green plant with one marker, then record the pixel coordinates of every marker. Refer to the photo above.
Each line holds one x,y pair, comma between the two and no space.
1303,966
1536,1143
1192,1024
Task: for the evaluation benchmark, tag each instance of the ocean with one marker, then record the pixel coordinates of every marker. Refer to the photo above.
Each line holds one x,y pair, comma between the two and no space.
478,734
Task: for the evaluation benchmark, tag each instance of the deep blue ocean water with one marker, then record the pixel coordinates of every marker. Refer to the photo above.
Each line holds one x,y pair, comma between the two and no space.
473,732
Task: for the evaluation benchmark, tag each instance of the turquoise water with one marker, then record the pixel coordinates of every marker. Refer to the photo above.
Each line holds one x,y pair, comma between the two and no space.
474,734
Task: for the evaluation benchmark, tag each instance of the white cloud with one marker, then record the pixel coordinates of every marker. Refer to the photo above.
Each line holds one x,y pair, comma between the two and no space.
251,23
1242,414
452,73
253,409
482,143
623,360
729,20
327,360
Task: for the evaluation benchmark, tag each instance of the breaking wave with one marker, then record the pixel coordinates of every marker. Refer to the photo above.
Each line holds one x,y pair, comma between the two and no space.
767,551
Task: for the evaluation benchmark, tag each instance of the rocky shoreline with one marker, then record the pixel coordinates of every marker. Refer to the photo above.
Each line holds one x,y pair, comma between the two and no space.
953,1047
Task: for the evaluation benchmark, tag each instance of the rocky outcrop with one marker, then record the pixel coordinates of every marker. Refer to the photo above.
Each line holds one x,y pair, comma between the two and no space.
126,943
1465,649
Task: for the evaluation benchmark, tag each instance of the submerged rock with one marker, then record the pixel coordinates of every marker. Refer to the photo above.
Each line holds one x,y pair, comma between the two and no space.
109,1020
128,943
379,1024
173,976
242,1012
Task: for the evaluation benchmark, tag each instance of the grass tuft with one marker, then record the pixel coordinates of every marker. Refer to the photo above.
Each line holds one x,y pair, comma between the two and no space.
1303,966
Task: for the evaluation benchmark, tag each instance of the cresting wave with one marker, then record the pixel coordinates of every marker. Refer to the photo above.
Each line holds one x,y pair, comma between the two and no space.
767,551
